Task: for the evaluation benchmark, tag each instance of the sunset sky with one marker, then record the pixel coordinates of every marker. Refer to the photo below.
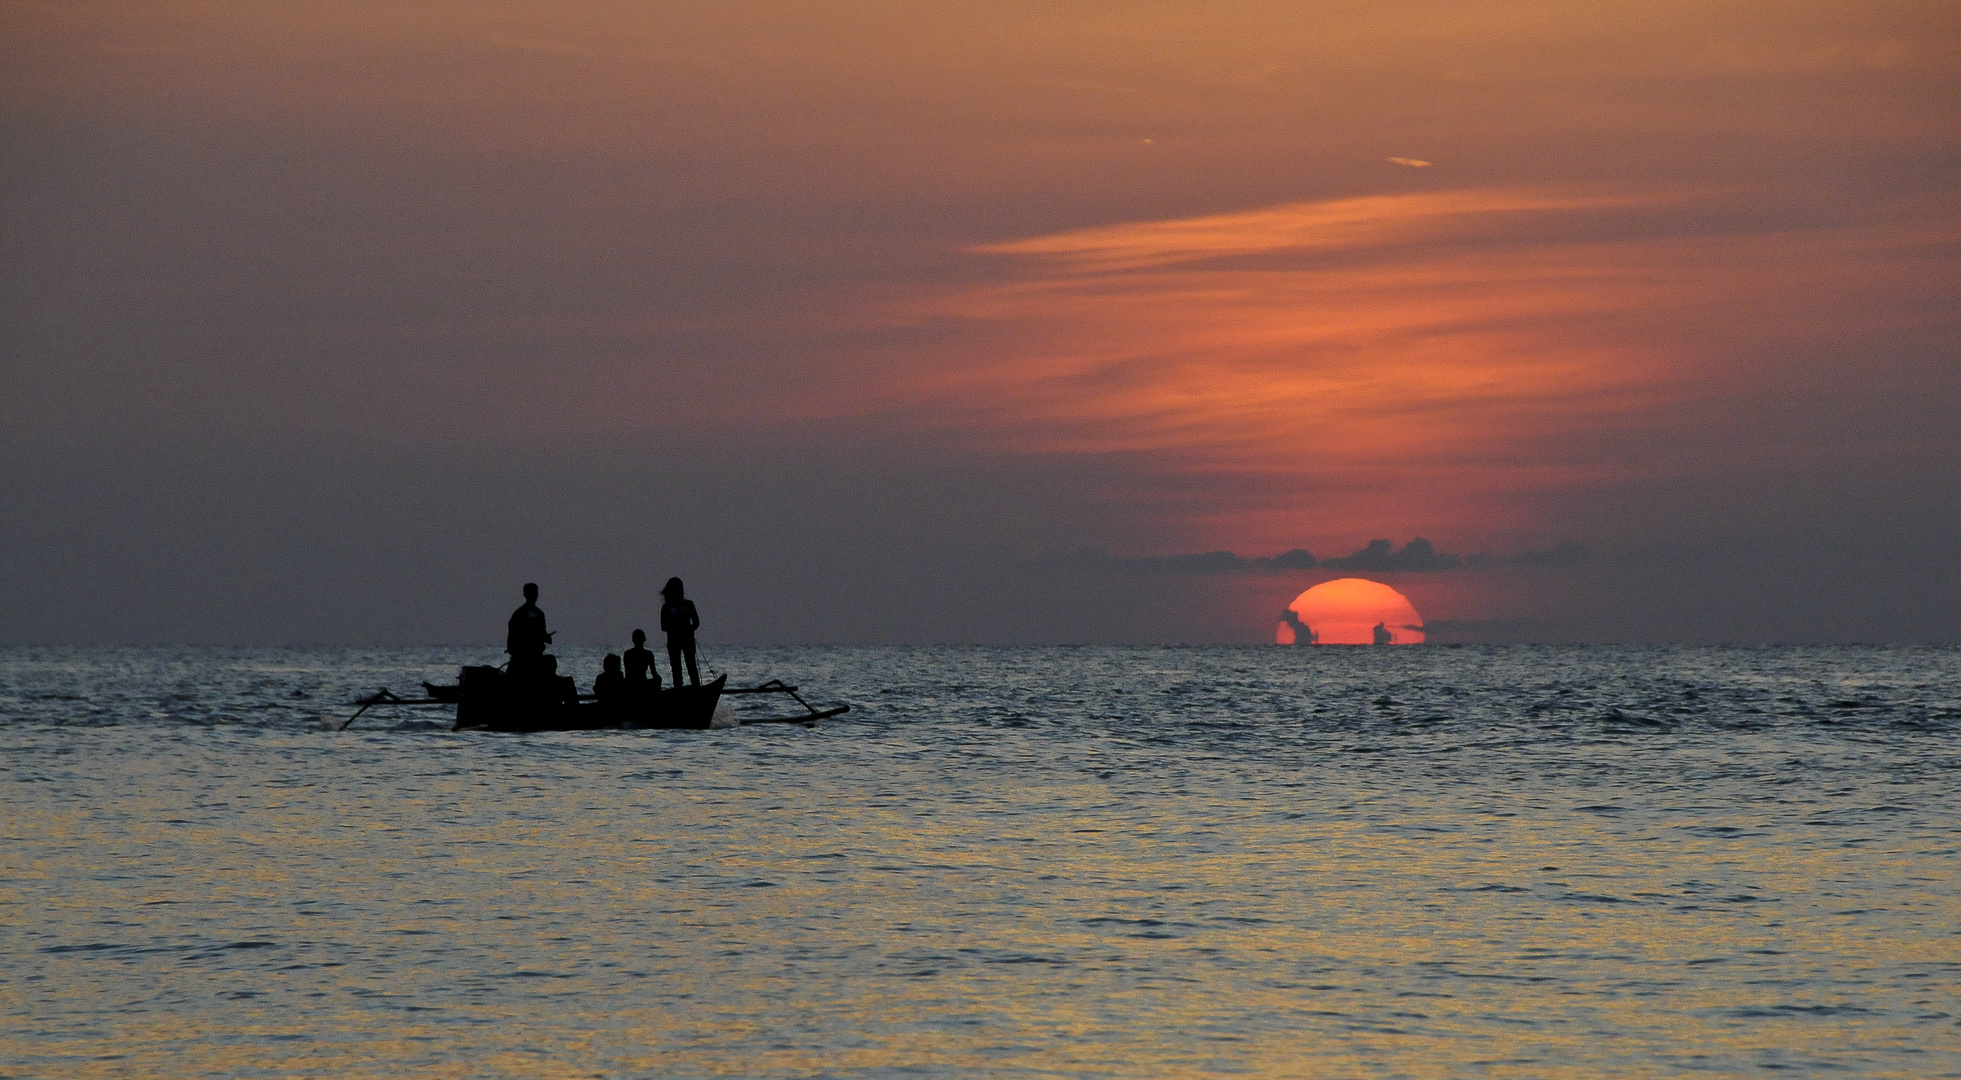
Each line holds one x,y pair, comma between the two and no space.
980,322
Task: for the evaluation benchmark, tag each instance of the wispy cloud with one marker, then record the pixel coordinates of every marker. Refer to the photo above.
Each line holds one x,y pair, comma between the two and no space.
1436,346
1414,163
1448,357
1338,225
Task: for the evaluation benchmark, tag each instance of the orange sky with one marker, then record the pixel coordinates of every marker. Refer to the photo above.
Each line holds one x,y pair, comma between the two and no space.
1430,354
1676,282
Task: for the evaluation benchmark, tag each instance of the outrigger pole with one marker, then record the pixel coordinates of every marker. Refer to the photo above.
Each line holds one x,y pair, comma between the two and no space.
778,686
775,686
384,697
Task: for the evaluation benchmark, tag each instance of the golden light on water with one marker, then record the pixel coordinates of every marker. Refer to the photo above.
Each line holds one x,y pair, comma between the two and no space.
767,905
242,896
1351,611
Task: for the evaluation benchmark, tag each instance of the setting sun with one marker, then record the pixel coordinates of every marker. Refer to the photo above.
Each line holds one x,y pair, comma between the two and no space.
1350,611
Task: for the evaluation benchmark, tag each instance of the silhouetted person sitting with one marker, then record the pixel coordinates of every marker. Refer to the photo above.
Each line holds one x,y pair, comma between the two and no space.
1382,635
541,686
561,689
640,664
678,619
527,636
610,686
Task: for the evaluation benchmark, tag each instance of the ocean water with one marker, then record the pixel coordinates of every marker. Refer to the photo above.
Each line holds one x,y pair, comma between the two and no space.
1034,862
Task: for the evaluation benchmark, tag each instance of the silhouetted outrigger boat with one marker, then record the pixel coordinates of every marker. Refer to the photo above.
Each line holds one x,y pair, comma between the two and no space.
488,699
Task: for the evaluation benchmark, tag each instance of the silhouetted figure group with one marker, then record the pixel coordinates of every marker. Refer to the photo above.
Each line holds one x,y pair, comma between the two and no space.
618,686
636,684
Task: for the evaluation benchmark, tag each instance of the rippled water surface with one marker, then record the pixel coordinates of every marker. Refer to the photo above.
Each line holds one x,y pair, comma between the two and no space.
1426,862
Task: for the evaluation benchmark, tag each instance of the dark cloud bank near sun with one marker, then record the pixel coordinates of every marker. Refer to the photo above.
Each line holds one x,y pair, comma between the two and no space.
1418,556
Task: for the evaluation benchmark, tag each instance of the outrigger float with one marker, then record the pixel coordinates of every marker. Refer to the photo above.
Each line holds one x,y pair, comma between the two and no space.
488,699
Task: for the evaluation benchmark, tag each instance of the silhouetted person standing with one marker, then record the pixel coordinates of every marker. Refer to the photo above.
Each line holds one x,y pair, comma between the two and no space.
678,619
640,663
527,637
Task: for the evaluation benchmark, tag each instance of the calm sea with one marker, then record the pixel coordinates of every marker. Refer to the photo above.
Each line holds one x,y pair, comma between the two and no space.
1043,862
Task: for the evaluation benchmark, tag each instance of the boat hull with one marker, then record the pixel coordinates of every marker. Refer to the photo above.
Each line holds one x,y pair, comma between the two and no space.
493,704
